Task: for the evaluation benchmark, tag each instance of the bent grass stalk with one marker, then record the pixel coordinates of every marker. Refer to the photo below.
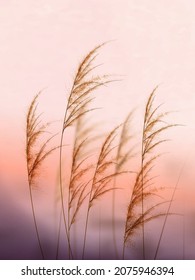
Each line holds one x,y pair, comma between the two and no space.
35,156
153,126
77,139
121,158
168,212
83,86
79,168
101,180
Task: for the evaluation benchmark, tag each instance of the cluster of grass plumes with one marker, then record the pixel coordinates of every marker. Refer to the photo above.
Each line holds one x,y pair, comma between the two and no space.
80,97
144,188
90,180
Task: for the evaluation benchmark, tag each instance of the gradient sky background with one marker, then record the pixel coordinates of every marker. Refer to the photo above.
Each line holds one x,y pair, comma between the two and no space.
42,42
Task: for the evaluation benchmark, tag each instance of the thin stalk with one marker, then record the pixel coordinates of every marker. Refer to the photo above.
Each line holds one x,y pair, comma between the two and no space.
102,162
100,233
88,210
168,211
61,193
123,251
113,220
58,237
61,190
142,189
125,238
69,198
35,222
184,226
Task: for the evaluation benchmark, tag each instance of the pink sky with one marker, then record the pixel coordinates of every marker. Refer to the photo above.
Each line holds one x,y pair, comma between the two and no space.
42,42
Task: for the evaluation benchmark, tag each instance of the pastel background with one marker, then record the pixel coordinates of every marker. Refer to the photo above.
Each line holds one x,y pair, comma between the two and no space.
41,44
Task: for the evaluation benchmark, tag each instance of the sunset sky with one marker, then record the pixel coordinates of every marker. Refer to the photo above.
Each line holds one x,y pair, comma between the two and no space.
42,42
